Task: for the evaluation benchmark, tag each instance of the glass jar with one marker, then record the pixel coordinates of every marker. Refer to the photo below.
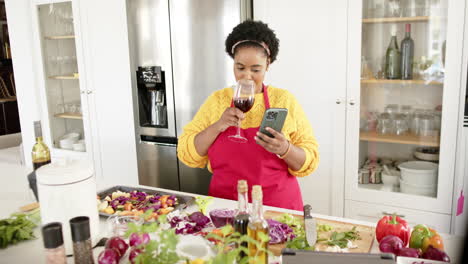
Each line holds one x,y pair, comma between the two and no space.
385,124
401,124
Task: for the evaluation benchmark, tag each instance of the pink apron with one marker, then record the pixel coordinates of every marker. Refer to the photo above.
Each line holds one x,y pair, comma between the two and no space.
232,161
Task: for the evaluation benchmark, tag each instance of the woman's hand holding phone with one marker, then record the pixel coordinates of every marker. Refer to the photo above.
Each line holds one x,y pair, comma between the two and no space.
277,144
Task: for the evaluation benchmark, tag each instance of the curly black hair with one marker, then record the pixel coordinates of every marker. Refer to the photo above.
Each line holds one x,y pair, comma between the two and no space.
256,31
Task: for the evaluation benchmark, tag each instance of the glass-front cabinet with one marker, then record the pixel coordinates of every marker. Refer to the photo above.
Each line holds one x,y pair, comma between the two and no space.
401,118
62,95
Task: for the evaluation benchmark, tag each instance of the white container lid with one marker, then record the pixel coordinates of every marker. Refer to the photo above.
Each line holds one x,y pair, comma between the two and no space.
418,166
64,172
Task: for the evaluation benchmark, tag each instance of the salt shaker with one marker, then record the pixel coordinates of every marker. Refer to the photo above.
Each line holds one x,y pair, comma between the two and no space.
82,248
53,243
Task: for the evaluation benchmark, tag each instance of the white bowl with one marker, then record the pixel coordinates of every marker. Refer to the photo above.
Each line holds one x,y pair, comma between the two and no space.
194,247
427,190
67,143
419,172
427,154
73,135
79,146
393,180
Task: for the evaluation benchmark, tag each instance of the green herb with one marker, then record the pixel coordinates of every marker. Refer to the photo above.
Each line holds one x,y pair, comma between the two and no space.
162,250
299,243
18,227
341,238
230,247
324,228
203,202
294,223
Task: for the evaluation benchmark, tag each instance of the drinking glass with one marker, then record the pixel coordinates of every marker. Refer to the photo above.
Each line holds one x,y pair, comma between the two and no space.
393,8
392,109
385,124
244,98
118,224
426,125
401,124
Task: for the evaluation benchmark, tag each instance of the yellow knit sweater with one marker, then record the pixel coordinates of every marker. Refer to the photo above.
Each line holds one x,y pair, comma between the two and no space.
296,128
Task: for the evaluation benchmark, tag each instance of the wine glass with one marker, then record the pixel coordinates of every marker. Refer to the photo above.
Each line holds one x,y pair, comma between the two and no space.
244,98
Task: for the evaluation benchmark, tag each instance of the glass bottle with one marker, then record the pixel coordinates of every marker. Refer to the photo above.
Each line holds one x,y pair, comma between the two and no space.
407,55
53,243
82,248
241,219
257,228
392,58
40,152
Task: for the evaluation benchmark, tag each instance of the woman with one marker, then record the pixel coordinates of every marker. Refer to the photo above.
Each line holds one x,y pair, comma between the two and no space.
273,163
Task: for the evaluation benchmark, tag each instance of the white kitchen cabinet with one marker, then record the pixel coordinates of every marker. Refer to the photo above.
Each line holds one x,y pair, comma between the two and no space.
369,94
95,75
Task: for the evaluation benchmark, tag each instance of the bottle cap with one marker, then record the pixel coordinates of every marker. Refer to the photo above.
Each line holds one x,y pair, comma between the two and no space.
408,28
394,30
242,186
257,192
52,235
37,129
80,228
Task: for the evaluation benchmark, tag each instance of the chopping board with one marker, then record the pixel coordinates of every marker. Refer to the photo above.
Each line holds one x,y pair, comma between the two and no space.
364,245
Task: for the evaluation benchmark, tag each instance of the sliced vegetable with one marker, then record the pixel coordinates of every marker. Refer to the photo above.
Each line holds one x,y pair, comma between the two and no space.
279,232
435,254
203,202
393,225
108,256
390,244
138,239
422,237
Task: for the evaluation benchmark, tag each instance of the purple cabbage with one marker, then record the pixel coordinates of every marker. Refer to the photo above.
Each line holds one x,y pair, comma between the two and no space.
199,219
189,224
279,232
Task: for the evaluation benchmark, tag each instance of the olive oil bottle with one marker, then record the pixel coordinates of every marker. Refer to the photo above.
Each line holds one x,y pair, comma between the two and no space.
40,152
257,228
242,217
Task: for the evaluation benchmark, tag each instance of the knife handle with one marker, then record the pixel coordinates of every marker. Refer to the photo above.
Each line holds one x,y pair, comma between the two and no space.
307,209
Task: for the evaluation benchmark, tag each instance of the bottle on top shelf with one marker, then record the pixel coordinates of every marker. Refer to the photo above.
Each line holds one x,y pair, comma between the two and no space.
407,55
392,58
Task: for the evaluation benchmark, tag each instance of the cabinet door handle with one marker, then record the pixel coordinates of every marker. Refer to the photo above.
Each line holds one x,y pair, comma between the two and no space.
385,213
89,92
82,92
352,102
338,101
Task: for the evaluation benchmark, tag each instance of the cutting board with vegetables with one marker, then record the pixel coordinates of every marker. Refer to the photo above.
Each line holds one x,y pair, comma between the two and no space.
363,245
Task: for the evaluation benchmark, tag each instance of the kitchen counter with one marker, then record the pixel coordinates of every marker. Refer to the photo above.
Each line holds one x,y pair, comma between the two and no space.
18,194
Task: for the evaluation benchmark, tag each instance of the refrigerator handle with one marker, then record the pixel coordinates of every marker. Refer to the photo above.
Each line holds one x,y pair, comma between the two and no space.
158,141
246,10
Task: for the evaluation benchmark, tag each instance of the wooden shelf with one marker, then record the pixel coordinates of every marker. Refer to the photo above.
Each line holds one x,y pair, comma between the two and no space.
60,37
69,116
64,77
409,139
395,19
385,81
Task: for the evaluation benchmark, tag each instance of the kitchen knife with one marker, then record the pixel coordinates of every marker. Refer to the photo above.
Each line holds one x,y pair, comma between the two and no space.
310,226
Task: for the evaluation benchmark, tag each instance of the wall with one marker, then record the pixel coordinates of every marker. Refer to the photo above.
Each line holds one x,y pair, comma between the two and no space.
312,65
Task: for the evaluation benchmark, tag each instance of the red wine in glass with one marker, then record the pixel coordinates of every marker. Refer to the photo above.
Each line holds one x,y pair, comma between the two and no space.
244,98
244,104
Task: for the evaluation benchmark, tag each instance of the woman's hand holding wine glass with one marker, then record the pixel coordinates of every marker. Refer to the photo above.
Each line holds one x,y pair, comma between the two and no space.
230,117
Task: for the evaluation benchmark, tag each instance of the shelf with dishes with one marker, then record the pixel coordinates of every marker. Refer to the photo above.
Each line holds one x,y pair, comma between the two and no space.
408,138
396,19
60,37
69,115
403,82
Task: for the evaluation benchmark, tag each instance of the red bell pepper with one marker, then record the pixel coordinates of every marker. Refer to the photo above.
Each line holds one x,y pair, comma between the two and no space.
393,225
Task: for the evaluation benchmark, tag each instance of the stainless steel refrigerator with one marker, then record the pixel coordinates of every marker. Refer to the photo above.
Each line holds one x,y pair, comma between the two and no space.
178,60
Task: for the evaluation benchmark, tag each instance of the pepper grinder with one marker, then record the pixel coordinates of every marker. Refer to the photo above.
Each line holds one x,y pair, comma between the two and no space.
53,243
81,237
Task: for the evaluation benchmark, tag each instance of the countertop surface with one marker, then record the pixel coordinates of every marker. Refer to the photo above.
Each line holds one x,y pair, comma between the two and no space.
18,194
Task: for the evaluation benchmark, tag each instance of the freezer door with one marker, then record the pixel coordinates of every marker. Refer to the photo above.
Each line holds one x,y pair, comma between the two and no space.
200,64
157,165
150,45
194,180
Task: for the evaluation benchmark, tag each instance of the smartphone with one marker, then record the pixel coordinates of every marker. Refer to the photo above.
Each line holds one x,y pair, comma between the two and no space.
274,118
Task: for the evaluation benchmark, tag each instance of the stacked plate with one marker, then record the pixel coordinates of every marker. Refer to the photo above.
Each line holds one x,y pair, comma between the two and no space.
419,177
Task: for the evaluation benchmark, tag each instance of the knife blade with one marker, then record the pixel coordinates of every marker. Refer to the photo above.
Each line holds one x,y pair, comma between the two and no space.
310,226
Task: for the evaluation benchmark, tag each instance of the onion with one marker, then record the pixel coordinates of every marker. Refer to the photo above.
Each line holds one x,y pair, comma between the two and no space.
435,254
133,254
391,244
409,252
118,244
137,239
108,256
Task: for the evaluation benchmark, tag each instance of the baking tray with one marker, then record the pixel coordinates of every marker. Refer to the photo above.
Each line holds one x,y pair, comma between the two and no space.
184,200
